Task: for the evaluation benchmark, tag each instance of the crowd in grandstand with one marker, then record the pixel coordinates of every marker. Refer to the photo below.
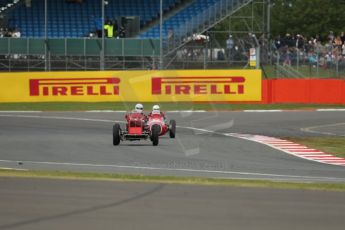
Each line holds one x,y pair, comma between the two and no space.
9,32
314,50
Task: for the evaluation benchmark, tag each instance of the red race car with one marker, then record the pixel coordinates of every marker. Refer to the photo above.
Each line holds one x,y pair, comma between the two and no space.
140,126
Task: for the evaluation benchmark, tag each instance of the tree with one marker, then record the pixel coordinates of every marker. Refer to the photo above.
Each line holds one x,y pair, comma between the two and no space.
307,17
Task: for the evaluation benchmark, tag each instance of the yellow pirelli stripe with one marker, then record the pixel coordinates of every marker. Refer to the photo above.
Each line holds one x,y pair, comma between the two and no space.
144,86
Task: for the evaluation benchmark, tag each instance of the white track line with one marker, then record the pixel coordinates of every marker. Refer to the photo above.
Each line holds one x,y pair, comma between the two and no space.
310,129
105,111
13,169
59,118
14,111
263,110
174,169
330,110
186,111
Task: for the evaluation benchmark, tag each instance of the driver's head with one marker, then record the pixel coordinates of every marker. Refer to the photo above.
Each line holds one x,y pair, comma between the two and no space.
139,108
156,108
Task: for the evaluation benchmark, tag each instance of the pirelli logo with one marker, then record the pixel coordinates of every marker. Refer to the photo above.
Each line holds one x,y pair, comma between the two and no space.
198,85
74,87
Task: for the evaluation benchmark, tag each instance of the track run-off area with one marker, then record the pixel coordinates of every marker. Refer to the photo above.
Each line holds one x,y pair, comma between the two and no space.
245,145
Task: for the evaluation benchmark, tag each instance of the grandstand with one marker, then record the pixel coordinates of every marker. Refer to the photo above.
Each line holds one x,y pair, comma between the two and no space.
72,20
78,20
72,23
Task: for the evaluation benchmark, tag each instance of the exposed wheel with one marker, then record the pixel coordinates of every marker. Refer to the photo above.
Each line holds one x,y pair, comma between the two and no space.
155,130
116,134
172,128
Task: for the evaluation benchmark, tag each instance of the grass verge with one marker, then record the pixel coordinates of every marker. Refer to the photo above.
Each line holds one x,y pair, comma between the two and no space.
332,145
173,180
81,106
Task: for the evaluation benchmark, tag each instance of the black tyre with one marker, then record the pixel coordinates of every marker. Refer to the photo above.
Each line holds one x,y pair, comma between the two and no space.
155,130
172,128
116,134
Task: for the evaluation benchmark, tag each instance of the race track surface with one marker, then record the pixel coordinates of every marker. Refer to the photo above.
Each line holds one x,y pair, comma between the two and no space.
82,141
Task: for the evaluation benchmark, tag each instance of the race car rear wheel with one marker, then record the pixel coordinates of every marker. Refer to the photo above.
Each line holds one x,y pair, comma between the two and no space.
116,134
155,130
172,128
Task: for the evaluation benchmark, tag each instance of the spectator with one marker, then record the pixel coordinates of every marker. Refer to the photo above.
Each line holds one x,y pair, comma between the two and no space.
342,37
92,35
289,41
229,46
16,33
316,39
250,41
299,42
287,60
330,36
329,60
98,26
312,59
110,29
337,44
277,43
309,46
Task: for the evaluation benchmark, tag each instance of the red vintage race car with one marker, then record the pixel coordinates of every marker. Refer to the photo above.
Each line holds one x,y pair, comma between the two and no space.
142,127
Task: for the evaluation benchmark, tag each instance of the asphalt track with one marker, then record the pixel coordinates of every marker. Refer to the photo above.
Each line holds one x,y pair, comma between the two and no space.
81,141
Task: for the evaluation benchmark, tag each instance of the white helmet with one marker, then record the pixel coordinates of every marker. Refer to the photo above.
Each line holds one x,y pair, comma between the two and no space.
156,108
139,108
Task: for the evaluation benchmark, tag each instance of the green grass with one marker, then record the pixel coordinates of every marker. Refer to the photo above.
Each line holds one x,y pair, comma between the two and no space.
332,145
81,106
172,180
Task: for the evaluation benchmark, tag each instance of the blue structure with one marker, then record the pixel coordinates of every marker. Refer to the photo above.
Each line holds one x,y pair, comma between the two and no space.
78,19
75,20
182,17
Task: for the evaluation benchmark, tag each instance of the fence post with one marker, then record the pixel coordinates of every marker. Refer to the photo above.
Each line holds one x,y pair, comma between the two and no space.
297,59
205,55
277,64
317,63
337,67
258,59
85,63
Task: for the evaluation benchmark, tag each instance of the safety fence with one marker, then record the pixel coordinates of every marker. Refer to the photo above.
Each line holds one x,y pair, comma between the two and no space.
79,47
33,54
317,63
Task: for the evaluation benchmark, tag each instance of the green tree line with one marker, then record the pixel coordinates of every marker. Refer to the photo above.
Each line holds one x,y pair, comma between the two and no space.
306,17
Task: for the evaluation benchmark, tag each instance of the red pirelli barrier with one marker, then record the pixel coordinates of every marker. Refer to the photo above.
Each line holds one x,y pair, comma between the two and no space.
312,91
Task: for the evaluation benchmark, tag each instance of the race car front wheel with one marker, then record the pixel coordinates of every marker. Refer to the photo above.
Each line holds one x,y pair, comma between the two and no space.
116,134
172,128
155,130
